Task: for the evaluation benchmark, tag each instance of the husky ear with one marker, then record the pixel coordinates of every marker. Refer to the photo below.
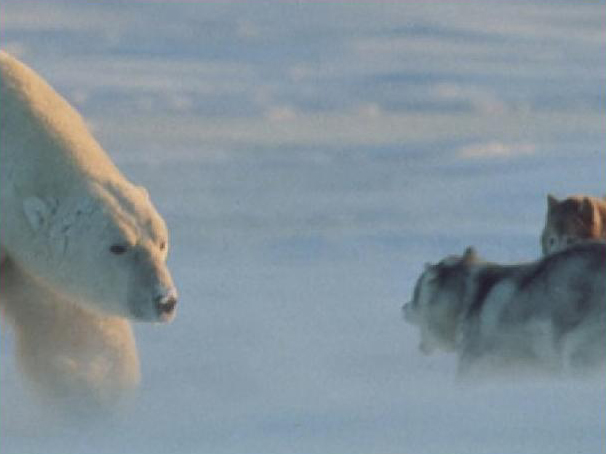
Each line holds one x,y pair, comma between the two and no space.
586,211
470,255
551,202
36,211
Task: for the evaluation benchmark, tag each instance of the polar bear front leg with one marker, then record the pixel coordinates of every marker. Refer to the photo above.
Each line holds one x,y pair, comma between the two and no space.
75,358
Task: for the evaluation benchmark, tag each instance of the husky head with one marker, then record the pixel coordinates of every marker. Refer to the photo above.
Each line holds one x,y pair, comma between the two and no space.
438,300
569,221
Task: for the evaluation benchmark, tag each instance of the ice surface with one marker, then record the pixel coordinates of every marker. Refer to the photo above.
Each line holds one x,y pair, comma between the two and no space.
309,157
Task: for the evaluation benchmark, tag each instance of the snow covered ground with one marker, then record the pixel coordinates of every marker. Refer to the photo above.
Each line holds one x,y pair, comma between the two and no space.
309,157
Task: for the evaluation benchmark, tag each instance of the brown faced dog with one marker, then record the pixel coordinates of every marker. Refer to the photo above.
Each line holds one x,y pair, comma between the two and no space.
576,218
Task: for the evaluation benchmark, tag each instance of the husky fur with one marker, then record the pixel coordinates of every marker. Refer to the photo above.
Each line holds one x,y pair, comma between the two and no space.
544,316
576,218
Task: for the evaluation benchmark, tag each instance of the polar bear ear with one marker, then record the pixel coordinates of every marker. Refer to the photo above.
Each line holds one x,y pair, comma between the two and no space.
36,211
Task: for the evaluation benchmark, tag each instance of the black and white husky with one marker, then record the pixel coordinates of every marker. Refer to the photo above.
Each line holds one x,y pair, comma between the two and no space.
548,315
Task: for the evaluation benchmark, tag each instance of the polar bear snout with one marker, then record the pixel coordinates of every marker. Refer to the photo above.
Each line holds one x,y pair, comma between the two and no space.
165,306
152,296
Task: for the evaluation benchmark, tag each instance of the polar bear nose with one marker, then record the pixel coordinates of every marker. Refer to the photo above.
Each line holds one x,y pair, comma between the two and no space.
166,306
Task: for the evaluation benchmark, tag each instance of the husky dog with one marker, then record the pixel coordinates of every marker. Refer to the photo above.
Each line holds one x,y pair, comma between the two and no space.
571,220
545,316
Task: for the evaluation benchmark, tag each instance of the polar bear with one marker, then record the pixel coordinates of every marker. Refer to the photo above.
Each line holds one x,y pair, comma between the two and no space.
82,250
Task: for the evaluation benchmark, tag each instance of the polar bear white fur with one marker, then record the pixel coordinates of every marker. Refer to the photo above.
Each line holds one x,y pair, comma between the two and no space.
82,250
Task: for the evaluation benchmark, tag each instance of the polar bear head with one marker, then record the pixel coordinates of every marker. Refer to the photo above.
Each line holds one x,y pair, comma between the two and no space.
106,246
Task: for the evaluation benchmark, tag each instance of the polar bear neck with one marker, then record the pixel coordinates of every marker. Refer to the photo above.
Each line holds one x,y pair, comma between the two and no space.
36,121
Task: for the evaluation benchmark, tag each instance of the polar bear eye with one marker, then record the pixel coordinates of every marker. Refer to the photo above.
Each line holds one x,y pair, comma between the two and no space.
162,245
117,249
